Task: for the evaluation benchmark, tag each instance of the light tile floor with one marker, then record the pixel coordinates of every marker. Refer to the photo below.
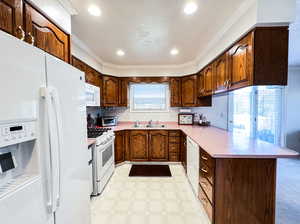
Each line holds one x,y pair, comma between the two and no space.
143,200
171,200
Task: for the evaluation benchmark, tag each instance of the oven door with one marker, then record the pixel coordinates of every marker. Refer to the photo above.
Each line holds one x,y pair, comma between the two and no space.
105,158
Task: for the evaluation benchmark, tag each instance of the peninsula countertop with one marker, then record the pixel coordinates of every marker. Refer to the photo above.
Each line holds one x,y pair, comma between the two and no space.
220,143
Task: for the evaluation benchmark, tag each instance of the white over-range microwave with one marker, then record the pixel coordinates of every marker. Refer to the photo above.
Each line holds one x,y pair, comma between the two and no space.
92,95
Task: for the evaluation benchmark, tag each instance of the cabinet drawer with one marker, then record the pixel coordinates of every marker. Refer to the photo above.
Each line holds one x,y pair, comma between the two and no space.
207,188
173,139
206,204
174,148
174,133
207,172
206,159
173,157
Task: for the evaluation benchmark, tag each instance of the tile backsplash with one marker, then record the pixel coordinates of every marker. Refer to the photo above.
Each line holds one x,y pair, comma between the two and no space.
217,114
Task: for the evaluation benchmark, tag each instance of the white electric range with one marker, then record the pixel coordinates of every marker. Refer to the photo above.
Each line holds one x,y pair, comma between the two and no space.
103,157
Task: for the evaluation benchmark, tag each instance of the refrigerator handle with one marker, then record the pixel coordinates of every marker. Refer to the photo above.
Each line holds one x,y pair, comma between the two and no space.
59,132
46,93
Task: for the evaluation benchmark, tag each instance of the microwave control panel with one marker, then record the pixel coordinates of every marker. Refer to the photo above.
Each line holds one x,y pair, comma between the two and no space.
15,133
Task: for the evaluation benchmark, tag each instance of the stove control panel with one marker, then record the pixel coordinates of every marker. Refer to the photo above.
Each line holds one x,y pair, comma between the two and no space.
17,132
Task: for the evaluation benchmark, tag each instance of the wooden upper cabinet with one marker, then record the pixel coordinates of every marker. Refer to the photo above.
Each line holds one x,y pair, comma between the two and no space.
189,91
208,80
175,92
158,145
44,34
139,145
11,20
241,63
119,146
220,74
110,91
92,77
78,64
201,87
123,92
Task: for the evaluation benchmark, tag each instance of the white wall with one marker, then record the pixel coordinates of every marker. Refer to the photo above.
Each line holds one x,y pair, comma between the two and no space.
217,114
292,124
55,10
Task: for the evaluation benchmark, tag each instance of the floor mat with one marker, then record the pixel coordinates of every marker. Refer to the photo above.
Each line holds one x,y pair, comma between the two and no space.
150,171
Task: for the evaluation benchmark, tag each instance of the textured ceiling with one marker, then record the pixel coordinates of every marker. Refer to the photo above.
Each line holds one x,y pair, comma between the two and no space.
147,29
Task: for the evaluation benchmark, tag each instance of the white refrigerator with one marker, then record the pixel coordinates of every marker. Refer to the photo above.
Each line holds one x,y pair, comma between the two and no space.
37,87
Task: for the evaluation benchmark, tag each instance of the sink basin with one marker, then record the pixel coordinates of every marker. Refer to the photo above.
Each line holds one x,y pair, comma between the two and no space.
150,126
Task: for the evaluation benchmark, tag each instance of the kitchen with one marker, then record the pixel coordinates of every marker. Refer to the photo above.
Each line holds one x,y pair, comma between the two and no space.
146,124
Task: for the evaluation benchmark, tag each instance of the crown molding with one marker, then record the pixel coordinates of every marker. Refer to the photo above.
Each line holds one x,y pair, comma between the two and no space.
247,10
68,6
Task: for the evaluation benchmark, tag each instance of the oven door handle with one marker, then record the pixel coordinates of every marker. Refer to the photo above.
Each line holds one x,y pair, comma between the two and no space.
106,144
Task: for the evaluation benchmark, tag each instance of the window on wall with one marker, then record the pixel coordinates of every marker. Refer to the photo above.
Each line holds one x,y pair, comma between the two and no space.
257,112
149,97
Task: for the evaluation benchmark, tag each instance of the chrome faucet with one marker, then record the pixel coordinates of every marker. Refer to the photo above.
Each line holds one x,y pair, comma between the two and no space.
150,123
136,124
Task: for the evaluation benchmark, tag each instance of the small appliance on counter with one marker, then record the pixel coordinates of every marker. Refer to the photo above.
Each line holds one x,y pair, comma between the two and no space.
185,118
203,121
107,121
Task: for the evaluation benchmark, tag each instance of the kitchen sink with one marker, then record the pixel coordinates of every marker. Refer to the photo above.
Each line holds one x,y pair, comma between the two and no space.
149,126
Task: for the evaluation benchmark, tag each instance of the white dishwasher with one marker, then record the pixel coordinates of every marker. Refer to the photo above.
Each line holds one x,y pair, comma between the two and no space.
193,165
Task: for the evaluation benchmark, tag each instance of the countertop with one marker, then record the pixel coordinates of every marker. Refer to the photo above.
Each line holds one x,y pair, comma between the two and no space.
220,143
91,141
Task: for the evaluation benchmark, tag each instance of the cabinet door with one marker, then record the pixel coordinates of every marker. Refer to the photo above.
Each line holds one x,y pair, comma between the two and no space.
158,145
11,17
189,91
119,147
241,63
44,34
110,91
92,76
220,78
183,151
175,89
139,145
208,80
201,87
78,64
123,92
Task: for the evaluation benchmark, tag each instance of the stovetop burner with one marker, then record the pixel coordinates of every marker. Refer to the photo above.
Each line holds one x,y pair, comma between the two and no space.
96,132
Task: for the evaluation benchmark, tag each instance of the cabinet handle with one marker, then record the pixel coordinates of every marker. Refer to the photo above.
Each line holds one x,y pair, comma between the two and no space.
31,40
22,32
204,170
204,158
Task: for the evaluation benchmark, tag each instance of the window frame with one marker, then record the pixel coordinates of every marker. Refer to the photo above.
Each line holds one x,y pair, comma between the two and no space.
131,98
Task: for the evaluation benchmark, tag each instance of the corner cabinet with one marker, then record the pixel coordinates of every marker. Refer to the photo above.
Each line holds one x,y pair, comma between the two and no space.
110,91
208,80
11,20
158,145
189,91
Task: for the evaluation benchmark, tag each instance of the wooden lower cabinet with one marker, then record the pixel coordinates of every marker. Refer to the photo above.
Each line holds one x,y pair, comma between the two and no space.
120,146
158,145
230,190
139,150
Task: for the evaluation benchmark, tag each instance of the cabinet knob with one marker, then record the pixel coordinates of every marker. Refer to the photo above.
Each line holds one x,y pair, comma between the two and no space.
22,32
31,38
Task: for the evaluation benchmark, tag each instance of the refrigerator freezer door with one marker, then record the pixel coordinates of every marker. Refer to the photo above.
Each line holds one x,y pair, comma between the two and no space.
69,85
22,74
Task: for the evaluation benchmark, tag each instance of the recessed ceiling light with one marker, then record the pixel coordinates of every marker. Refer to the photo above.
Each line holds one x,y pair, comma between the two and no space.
120,53
94,10
190,8
174,51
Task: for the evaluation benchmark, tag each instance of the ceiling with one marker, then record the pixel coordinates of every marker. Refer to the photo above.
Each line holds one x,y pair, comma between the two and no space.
148,29
294,48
